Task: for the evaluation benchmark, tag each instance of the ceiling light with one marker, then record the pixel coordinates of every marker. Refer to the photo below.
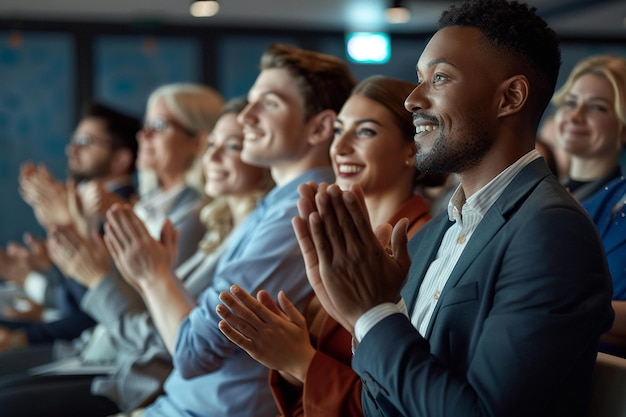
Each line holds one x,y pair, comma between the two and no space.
204,8
368,47
397,13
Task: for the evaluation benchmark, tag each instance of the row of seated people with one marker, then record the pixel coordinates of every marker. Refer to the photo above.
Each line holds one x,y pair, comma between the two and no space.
508,290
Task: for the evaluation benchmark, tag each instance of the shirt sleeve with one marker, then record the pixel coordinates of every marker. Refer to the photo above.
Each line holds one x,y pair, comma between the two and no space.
263,255
376,314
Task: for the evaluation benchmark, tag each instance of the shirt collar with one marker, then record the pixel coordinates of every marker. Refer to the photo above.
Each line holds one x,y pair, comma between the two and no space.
279,193
484,198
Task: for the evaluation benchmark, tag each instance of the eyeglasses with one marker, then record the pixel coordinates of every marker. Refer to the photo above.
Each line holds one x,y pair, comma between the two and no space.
85,139
161,125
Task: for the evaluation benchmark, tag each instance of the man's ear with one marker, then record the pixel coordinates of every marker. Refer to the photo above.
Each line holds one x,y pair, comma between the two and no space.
514,95
122,161
321,127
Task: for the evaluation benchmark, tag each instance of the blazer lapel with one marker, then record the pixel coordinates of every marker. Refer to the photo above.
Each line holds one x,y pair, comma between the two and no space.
495,218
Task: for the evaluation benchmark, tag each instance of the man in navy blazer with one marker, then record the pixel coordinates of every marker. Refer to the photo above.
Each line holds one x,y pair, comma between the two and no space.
509,291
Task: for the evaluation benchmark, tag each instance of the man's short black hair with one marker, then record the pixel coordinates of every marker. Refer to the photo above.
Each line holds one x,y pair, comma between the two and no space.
516,29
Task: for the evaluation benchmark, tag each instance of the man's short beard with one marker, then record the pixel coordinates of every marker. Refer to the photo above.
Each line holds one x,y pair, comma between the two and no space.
448,157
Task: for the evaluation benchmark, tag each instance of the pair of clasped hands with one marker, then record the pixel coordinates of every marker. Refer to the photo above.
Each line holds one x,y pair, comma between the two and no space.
350,267
71,214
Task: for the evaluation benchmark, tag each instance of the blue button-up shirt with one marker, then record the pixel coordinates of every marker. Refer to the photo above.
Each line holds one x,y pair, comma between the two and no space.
212,376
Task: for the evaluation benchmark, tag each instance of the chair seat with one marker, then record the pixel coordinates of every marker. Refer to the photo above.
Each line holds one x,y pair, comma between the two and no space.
608,398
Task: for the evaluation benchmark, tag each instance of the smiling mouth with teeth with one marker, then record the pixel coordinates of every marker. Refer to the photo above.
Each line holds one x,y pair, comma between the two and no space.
349,169
425,128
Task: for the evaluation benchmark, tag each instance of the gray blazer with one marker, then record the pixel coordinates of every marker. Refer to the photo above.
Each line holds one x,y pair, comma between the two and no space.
516,328
142,361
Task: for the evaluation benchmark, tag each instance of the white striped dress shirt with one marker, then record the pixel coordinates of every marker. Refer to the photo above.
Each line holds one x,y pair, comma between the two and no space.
466,215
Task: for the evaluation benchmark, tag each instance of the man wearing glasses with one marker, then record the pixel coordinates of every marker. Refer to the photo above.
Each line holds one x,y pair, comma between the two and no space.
101,160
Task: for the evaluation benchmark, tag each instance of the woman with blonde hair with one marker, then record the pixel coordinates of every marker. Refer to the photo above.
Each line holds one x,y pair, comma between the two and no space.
590,120
591,128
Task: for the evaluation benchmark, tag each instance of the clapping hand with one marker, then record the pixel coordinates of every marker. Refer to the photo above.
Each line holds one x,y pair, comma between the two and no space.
17,261
277,338
96,199
350,268
85,259
139,257
47,196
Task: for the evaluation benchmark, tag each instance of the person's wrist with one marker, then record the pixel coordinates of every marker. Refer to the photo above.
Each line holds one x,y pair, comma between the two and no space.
153,281
301,367
94,281
94,278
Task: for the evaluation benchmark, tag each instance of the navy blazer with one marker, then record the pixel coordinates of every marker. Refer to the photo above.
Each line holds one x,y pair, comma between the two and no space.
516,328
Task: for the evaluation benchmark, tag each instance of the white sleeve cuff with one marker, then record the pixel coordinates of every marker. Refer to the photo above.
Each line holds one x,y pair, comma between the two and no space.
376,314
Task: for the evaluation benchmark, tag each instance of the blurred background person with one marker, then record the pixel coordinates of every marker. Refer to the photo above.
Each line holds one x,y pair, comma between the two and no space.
178,118
101,160
590,123
591,128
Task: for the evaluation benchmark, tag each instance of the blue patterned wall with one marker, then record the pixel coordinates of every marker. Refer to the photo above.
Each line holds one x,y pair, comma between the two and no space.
37,90
238,62
128,68
37,107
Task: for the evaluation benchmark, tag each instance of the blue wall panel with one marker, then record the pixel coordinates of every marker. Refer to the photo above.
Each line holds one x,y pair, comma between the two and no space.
237,61
128,68
37,90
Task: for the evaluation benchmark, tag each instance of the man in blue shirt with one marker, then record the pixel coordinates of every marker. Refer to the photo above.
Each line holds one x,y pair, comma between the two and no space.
288,127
